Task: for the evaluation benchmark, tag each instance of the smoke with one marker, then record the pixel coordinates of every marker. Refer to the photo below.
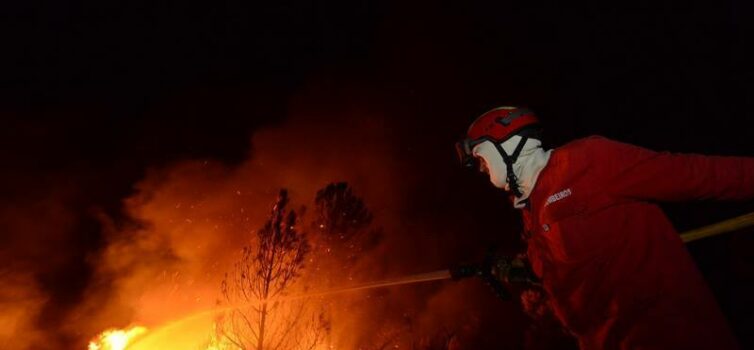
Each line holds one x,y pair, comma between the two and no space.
189,220
20,300
37,216
163,254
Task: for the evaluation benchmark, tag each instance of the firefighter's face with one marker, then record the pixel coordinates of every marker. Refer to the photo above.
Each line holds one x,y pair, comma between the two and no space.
491,163
483,165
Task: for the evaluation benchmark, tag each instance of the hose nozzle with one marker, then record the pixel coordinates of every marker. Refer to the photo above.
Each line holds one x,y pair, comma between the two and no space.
484,272
462,271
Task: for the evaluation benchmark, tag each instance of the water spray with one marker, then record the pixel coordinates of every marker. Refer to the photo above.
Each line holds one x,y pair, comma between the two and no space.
410,279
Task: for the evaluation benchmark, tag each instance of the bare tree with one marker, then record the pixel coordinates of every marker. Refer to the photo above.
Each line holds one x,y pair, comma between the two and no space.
343,233
260,318
343,222
340,210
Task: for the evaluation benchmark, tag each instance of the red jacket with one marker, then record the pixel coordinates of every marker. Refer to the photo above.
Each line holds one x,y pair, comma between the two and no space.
617,273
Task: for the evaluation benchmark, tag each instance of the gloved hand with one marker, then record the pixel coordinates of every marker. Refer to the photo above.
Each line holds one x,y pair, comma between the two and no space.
513,270
461,271
484,272
497,272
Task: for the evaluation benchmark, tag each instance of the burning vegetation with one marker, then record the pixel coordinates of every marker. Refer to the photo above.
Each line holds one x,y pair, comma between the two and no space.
266,300
213,259
211,256
116,339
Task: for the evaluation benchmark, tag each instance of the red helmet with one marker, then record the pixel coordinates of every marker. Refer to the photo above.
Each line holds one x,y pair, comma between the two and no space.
496,125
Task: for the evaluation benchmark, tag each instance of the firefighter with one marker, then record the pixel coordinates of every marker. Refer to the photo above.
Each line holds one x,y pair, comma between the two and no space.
613,267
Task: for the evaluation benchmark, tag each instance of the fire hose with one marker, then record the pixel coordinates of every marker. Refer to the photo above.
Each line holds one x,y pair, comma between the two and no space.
729,225
502,272
499,271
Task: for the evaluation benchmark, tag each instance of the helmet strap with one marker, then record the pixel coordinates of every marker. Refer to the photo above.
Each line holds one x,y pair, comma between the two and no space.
509,160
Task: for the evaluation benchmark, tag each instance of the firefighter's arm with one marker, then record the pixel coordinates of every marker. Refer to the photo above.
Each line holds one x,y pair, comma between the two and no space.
644,174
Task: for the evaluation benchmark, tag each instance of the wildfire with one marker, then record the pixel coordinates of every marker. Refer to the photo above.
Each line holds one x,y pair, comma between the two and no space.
116,339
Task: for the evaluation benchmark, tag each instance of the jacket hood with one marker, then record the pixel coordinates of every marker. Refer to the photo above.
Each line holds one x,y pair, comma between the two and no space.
528,166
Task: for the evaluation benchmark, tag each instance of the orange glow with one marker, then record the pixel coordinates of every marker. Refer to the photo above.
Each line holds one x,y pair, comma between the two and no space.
191,219
116,339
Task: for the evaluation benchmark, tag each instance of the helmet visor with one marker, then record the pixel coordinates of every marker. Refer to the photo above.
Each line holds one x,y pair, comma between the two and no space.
465,156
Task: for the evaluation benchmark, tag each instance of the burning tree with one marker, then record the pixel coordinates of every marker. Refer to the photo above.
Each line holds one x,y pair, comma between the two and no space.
260,319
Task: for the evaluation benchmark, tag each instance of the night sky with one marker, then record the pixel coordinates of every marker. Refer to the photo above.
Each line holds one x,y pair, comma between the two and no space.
93,94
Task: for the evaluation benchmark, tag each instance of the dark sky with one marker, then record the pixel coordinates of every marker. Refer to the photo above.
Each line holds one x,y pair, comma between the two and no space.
94,93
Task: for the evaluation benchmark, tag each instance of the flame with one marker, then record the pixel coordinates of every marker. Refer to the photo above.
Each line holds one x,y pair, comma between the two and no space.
167,272
116,339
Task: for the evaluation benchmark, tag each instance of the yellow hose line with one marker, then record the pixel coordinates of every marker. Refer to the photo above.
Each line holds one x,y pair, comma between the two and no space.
718,228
